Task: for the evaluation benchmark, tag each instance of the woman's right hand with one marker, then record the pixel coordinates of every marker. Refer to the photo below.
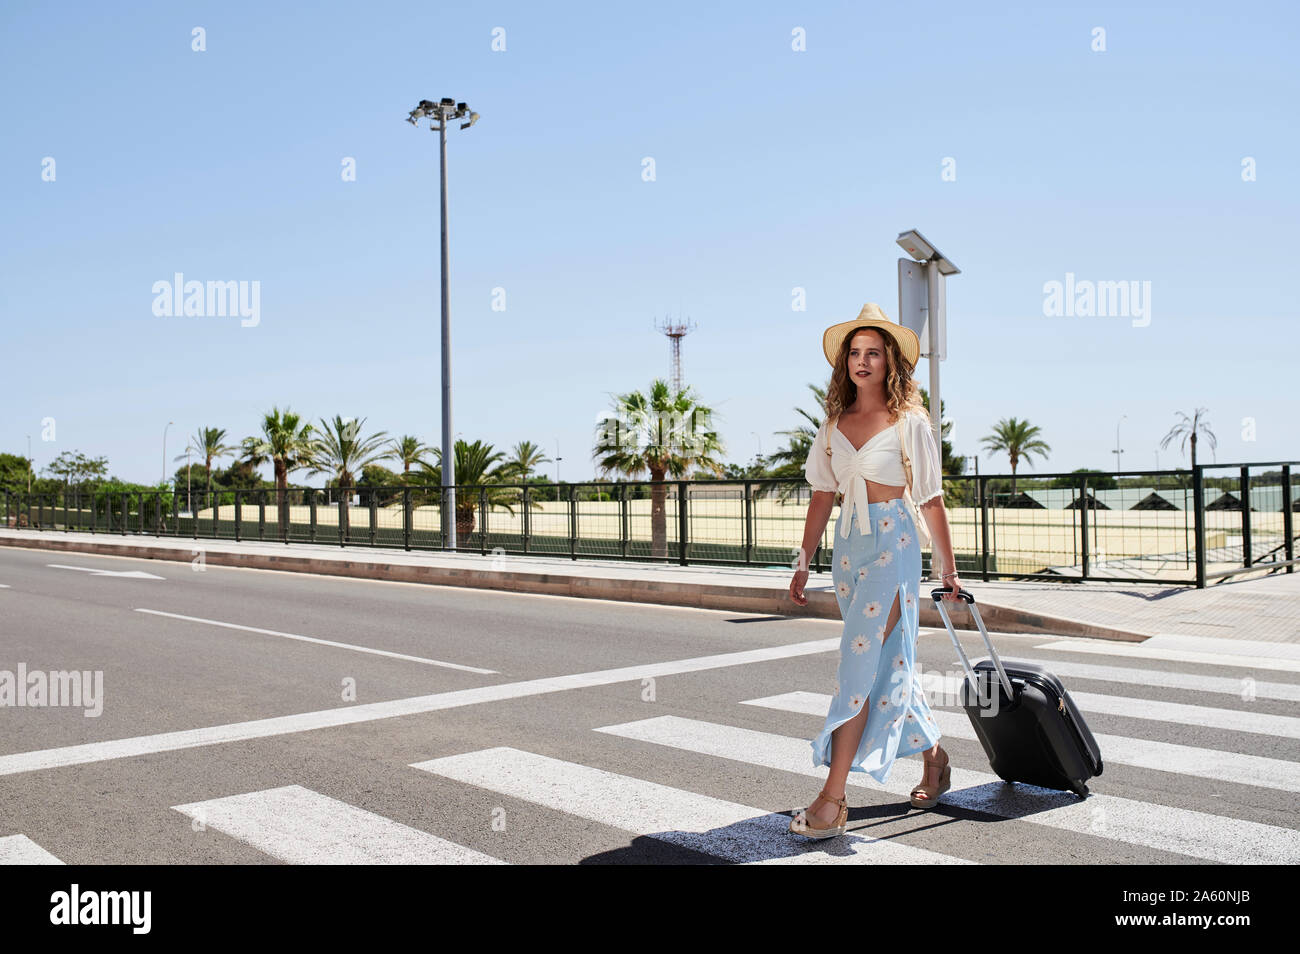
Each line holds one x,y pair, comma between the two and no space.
796,587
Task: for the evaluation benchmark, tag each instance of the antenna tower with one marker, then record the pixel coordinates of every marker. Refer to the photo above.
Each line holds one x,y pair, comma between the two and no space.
676,331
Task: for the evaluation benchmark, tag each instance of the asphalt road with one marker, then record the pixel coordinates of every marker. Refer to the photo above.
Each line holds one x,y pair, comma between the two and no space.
487,726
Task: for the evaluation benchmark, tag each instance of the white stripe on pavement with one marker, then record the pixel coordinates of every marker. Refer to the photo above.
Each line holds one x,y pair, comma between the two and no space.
1222,685
945,689
322,642
711,825
1143,651
1177,830
21,850
370,712
1234,720
1222,644
1231,767
121,574
303,827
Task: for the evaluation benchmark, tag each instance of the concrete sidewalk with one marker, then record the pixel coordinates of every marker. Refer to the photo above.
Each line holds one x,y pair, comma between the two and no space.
1261,609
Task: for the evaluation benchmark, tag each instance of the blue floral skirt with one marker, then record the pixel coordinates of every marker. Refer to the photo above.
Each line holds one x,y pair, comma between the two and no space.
876,668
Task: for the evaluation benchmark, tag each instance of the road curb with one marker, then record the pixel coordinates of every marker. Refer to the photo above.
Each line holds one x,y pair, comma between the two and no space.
756,598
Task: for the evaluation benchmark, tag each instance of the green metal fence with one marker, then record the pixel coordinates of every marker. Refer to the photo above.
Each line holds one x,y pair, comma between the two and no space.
1173,526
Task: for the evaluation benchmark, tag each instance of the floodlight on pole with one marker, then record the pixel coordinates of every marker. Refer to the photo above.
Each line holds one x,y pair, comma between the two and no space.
439,114
915,244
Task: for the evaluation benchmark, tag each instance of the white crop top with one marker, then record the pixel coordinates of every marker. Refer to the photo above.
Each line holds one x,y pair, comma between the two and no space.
880,460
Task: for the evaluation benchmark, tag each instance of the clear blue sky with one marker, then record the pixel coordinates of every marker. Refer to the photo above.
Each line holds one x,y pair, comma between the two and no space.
775,169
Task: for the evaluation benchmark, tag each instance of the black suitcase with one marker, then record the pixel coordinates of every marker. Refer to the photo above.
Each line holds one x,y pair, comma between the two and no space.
1029,726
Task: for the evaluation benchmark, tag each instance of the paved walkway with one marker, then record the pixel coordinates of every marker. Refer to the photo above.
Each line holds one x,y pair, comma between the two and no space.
1261,609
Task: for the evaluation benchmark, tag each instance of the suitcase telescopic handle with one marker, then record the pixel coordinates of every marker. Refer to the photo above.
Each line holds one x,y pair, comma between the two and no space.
937,595
938,592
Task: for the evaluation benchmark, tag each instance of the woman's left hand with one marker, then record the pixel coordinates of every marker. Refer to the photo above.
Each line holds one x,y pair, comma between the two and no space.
955,583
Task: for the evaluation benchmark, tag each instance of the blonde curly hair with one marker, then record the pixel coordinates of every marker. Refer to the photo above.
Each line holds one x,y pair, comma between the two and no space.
901,390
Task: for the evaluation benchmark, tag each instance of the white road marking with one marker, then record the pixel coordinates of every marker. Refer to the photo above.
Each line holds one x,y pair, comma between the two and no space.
21,850
1221,644
1231,767
1144,651
129,574
1234,720
700,822
1223,685
1135,822
303,827
370,712
1154,710
322,642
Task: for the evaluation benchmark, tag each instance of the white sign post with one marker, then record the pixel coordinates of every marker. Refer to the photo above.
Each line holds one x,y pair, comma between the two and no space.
922,306
914,300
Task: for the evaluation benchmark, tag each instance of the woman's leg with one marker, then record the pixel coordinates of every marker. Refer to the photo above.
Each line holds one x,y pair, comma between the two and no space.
935,759
844,745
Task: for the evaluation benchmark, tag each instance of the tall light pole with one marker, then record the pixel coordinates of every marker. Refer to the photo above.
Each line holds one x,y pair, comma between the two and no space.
1118,451
439,114
558,458
164,476
29,463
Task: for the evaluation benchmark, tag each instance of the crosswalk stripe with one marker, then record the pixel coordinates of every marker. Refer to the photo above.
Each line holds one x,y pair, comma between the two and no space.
946,688
368,712
720,828
1234,720
1142,651
1272,648
1115,749
1223,685
21,850
303,827
1178,830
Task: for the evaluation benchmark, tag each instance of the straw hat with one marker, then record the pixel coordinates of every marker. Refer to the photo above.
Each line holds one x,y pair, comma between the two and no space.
871,316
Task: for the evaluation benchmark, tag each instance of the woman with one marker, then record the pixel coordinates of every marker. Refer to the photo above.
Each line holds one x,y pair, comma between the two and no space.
875,445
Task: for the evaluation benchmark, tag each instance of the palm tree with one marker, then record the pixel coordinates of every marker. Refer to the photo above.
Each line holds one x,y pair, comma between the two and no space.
663,432
1188,427
788,462
1018,439
475,478
790,459
208,443
288,445
409,450
950,463
342,452
527,455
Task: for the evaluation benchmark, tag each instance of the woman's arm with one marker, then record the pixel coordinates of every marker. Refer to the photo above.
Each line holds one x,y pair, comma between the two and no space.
819,511
941,549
